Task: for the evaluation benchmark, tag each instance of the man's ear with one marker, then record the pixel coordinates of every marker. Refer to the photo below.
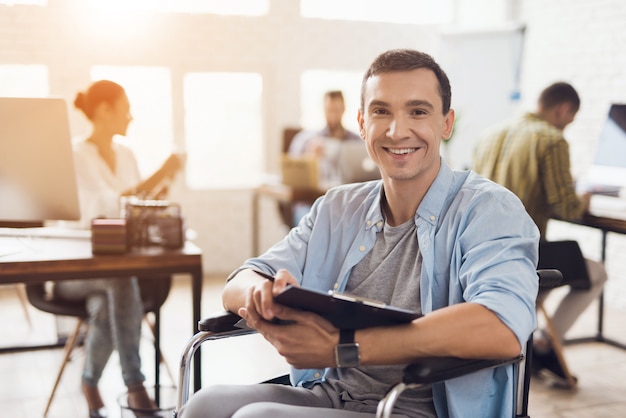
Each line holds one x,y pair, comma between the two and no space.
563,109
448,125
361,122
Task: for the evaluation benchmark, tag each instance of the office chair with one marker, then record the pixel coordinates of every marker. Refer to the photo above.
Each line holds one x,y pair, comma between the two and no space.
285,209
153,293
20,289
425,371
567,257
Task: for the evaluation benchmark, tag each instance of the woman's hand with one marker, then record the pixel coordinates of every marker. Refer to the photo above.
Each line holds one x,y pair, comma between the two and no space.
172,165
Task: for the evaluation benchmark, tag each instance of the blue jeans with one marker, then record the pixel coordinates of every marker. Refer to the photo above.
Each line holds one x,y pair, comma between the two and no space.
115,312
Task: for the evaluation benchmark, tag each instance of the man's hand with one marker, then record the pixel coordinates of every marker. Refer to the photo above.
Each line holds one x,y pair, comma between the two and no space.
260,297
586,199
304,339
315,147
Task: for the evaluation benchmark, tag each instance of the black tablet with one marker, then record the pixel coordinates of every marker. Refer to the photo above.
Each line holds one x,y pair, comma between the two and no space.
343,310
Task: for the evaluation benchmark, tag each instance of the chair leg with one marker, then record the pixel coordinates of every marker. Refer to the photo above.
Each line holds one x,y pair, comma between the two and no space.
67,351
558,347
163,361
21,294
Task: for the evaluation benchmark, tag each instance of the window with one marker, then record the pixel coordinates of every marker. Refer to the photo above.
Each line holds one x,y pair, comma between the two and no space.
313,85
150,134
391,11
223,7
223,125
24,81
24,2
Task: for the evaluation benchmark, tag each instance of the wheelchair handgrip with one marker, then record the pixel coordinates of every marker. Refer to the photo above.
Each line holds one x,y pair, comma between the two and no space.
436,369
219,322
549,278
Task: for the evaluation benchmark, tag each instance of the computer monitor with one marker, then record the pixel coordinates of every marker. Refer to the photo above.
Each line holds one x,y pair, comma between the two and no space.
607,173
37,176
612,145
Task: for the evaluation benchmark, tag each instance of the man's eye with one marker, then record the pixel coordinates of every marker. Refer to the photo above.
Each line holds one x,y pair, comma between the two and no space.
419,112
380,111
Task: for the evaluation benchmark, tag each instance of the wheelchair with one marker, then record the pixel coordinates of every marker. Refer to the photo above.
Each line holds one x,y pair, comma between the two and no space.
422,372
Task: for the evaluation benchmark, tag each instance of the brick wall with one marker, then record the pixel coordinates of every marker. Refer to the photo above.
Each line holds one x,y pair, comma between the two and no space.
582,42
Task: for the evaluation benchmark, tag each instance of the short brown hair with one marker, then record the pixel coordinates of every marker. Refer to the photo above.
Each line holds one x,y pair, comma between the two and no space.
557,93
407,60
333,95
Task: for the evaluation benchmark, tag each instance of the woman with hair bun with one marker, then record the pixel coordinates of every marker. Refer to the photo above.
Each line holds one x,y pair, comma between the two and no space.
107,170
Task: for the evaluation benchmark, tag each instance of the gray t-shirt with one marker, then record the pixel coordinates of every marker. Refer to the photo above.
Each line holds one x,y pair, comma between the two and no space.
389,273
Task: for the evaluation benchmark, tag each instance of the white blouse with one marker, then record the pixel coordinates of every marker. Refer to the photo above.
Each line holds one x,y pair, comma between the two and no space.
99,188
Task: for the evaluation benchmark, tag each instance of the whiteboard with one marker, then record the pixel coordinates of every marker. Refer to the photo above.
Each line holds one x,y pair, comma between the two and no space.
484,71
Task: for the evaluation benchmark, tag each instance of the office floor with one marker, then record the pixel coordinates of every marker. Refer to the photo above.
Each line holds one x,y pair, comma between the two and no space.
26,378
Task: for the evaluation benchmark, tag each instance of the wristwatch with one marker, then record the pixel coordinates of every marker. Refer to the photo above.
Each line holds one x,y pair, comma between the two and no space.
347,352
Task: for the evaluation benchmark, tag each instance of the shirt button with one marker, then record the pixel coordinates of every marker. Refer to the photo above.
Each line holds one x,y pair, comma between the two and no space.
362,248
433,217
336,286
317,375
369,223
379,224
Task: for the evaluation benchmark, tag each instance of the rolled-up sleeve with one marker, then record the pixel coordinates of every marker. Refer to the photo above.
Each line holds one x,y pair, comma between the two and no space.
499,258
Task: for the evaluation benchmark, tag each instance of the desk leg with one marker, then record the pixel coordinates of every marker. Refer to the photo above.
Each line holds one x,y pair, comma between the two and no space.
255,223
599,337
157,356
196,294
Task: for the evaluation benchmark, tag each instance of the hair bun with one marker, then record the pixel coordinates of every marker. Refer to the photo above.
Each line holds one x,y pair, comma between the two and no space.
79,101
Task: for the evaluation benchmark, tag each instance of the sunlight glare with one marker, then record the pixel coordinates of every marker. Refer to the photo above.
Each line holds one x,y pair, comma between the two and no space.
223,7
394,11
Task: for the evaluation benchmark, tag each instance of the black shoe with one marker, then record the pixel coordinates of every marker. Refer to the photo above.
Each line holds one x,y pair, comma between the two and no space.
547,365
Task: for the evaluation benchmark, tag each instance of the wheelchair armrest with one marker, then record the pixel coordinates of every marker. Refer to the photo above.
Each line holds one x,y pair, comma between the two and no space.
549,278
219,322
437,369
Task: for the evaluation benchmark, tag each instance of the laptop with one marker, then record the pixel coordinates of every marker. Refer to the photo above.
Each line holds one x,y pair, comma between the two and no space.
355,165
344,161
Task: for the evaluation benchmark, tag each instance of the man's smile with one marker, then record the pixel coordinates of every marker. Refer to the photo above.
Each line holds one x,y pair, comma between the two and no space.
400,151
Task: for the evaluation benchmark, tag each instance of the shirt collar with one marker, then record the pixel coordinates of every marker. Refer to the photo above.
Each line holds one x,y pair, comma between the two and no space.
432,204
429,209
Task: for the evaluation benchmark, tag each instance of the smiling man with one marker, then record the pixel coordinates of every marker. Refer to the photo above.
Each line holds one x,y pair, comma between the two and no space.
451,245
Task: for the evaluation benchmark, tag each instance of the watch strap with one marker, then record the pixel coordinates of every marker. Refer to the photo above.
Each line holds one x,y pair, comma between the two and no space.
346,336
347,352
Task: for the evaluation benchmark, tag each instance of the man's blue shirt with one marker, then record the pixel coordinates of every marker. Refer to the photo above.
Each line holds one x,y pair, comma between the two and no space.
478,245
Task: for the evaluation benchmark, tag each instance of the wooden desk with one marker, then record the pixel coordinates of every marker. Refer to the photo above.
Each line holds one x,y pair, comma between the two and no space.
282,194
42,259
605,225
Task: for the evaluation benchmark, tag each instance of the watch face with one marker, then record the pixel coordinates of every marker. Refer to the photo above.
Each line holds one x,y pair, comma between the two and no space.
347,355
